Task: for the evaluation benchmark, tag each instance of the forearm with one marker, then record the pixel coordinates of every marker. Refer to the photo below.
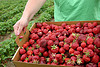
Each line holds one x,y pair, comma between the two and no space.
31,8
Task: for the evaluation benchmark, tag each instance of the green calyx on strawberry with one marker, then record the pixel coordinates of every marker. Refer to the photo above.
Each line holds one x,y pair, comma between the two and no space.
37,46
87,53
55,61
35,62
79,61
54,48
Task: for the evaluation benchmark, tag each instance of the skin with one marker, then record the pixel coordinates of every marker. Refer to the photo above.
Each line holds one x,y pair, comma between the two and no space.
31,8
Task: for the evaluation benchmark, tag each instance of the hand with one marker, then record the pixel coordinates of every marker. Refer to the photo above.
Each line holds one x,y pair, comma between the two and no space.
20,25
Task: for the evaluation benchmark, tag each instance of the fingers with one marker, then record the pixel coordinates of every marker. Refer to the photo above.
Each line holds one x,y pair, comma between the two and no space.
16,28
20,28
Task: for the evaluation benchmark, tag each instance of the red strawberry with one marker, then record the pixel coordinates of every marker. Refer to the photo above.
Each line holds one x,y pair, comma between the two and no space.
76,53
95,59
97,42
22,51
25,45
29,52
49,47
35,58
36,51
26,60
43,43
91,46
85,49
95,23
31,41
67,27
47,38
42,62
91,34
50,43
85,24
63,25
56,42
34,30
89,30
78,25
34,36
71,50
86,58
90,25
73,26
61,43
30,48
38,25
53,63
78,29
66,46
53,37
30,58
40,33
45,31
54,49
41,49
45,54
83,44
59,56
71,30
61,38
89,41
75,45
95,30
23,57
91,65
96,51
73,58
79,49
61,50
98,64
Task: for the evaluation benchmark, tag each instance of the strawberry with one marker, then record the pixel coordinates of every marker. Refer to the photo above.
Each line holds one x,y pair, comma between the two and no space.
61,50
61,43
95,30
66,46
53,37
98,64
26,60
45,54
40,34
91,46
78,25
58,56
91,65
41,49
25,45
86,58
71,50
96,51
79,49
56,42
83,44
89,40
45,31
95,23
71,30
48,63
91,34
42,62
61,38
97,42
75,45
36,51
22,51
95,59
34,36
29,52
67,27
35,58
43,43
90,25
30,58
63,25
47,38
81,38
90,31
76,53
31,41
54,49
38,25
53,63
23,57
30,48
73,58
78,29
50,42
85,24
34,30
85,49
73,26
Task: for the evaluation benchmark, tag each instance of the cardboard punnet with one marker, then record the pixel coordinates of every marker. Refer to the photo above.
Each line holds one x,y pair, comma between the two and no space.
25,38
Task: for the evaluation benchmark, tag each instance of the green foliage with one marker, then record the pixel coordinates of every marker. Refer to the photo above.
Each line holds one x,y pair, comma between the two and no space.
7,49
